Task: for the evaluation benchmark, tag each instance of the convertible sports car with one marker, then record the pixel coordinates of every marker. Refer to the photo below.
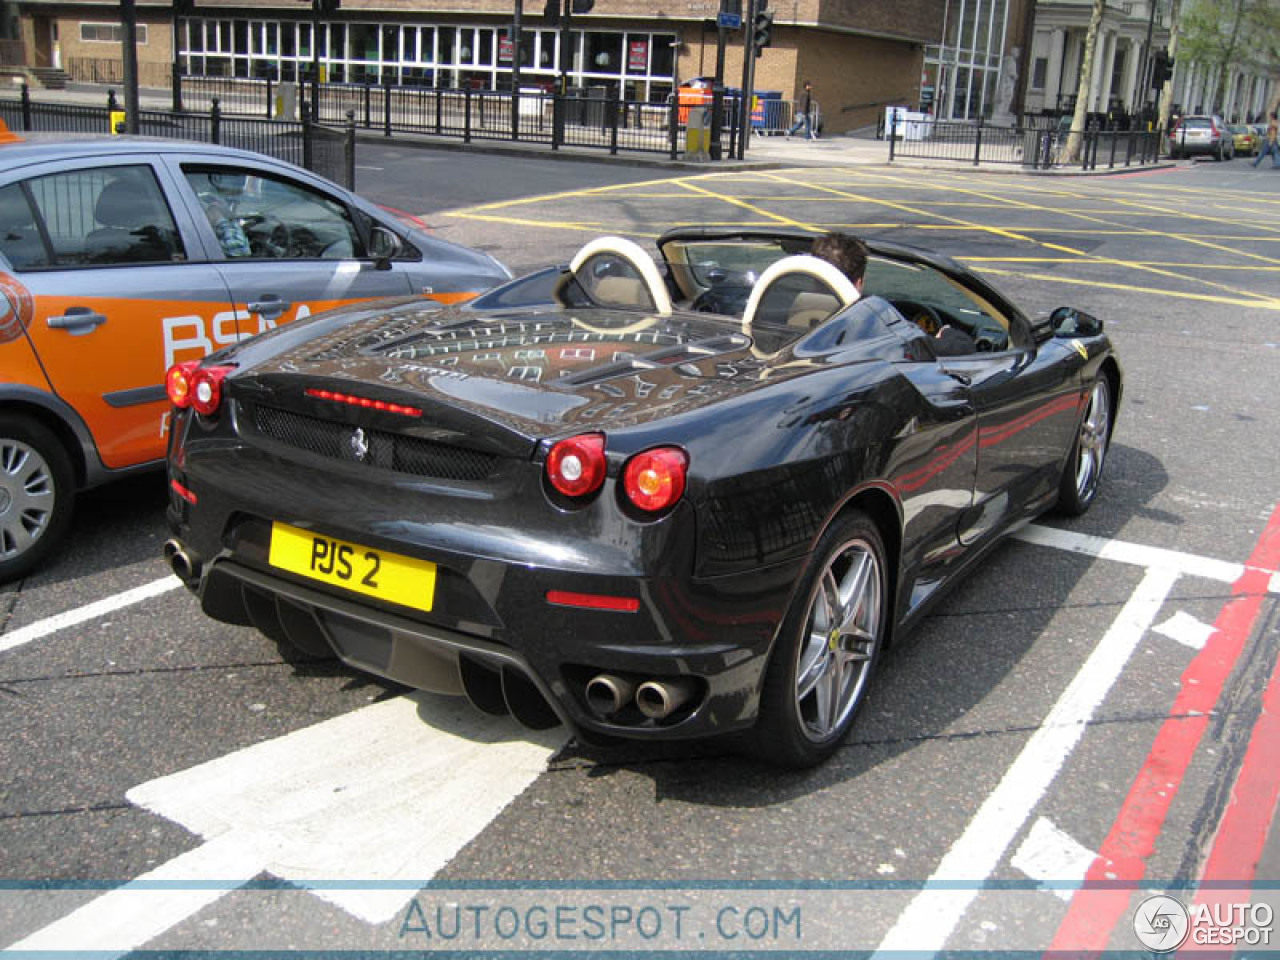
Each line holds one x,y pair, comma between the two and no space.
650,500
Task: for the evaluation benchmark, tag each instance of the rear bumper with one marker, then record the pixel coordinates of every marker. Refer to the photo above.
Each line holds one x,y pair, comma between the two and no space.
529,656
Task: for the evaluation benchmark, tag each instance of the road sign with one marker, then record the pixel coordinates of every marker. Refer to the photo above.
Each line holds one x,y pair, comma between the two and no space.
731,21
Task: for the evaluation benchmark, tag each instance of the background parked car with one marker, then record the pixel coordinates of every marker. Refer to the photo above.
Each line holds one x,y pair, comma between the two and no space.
1244,140
1201,135
121,256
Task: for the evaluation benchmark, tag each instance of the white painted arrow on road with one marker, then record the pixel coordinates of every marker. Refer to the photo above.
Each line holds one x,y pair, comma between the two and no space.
381,798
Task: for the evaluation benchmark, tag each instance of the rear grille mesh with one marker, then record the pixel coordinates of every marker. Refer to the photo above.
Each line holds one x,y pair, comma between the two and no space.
390,451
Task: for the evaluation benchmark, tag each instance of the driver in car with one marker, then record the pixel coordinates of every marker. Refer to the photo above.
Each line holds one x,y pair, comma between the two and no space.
220,207
849,254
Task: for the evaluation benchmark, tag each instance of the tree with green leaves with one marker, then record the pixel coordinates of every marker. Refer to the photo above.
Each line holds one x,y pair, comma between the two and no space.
1222,35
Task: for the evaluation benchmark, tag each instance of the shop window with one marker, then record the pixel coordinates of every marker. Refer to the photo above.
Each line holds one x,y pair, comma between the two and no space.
364,41
604,53
445,37
637,49
662,55
110,32
484,48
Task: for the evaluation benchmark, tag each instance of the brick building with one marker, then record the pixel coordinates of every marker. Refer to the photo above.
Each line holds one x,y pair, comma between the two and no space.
860,56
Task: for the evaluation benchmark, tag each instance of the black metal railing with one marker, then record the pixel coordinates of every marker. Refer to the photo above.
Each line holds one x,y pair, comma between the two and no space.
585,117
324,150
1036,144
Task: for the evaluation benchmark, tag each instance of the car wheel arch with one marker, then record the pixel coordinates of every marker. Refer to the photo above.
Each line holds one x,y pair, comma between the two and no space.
71,440
880,504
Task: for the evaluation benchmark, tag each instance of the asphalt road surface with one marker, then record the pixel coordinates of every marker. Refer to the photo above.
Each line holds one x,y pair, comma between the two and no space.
1098,701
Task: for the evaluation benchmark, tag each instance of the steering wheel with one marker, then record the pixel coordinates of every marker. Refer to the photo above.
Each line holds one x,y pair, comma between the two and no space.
922,315
267,234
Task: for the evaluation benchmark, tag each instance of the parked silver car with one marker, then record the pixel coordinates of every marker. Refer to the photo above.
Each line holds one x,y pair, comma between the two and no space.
1207,134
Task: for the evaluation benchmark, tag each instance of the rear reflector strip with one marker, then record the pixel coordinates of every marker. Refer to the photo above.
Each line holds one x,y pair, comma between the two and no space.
183,492
365,402
593,601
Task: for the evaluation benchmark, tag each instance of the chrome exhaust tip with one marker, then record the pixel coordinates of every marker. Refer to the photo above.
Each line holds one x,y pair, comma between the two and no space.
179,561
658,699
607,694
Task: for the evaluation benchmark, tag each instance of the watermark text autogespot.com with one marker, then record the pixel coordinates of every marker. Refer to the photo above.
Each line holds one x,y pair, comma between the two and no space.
613,923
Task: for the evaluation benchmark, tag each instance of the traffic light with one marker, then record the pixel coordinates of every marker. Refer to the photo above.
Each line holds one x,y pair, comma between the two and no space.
551,12
583,6
1161,69
762,30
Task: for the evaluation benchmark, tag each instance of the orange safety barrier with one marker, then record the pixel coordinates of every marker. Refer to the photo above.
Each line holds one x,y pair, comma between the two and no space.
692,97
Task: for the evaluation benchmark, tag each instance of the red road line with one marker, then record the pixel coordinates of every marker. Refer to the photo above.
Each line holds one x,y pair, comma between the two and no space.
1097,907
1232,864
403,215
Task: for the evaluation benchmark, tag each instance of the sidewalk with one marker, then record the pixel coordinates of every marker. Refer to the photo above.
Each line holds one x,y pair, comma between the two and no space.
763,153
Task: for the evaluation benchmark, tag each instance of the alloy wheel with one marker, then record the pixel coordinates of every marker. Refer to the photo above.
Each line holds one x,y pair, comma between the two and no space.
1095,429
841,634
27,497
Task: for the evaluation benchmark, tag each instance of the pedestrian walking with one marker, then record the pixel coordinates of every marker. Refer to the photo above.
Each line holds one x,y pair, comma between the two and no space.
805,117
1271,146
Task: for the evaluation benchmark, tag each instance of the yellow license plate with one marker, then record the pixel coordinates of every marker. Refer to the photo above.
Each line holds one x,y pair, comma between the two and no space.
375,573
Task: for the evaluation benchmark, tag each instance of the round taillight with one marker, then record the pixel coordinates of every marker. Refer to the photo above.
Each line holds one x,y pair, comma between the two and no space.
177,383
654,480
206,389
576,466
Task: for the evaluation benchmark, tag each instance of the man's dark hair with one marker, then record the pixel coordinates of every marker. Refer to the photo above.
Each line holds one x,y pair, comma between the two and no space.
845,251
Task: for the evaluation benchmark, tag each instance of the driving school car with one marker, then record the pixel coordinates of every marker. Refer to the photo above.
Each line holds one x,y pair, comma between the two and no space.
113,268
650,500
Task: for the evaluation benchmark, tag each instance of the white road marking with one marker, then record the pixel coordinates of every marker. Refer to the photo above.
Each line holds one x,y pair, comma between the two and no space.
1136,554
1052,856
1186,629
91,611
380,798
274,807
124,919
933,914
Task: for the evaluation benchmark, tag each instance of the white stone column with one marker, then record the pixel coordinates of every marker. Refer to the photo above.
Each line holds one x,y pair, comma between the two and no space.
1053,76
1130,95
1099,60
1108,71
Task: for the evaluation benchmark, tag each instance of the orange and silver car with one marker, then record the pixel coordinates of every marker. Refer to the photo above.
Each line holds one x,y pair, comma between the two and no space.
120,256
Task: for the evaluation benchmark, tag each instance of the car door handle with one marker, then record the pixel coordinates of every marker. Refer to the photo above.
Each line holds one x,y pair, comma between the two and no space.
77,320
269,306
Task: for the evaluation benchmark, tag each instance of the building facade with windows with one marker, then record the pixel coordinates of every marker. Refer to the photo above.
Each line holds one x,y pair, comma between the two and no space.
860,56
1128,65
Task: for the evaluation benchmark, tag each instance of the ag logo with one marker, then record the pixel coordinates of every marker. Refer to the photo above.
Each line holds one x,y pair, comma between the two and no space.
1161,923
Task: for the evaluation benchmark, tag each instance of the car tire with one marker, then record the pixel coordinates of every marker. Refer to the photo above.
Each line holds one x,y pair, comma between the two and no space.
1083,471
828,647
36,494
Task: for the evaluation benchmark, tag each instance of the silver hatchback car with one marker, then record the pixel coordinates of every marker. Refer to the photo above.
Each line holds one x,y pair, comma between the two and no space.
1207,134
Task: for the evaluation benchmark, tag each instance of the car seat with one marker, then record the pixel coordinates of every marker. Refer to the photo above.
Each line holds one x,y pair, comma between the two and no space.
133,230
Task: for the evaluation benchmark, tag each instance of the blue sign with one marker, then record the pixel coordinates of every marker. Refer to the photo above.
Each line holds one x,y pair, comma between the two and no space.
731,21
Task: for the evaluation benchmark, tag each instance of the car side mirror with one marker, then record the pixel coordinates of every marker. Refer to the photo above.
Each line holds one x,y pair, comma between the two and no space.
384,246
1070,322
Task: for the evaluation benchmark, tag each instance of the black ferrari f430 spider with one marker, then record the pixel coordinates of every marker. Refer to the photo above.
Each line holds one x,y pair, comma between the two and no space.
647,498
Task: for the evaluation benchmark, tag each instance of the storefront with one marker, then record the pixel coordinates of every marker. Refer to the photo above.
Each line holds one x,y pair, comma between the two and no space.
637,64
